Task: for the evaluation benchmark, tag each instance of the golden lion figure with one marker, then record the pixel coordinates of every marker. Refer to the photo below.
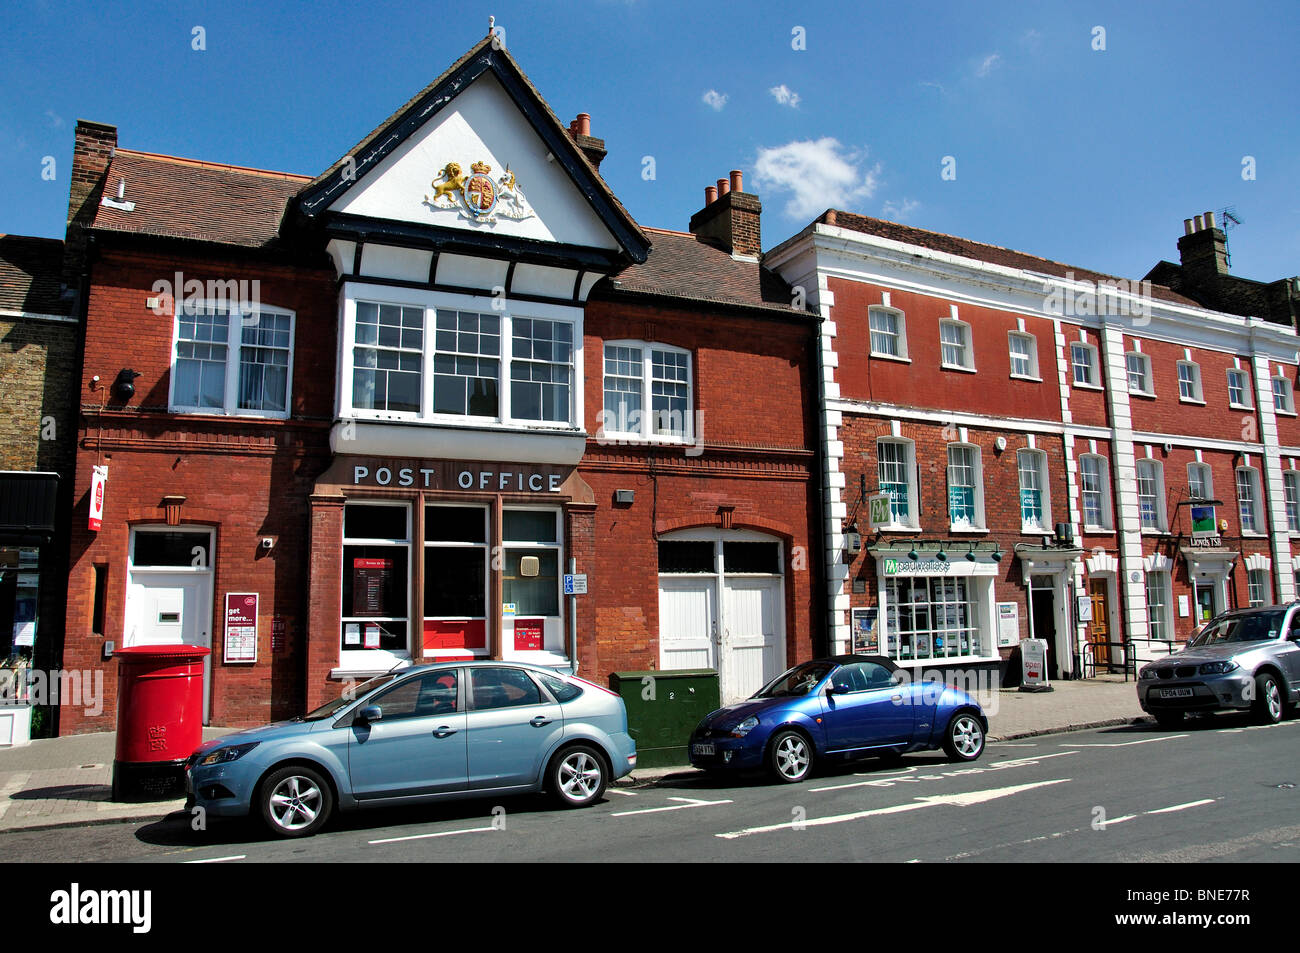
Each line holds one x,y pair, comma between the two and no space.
453,181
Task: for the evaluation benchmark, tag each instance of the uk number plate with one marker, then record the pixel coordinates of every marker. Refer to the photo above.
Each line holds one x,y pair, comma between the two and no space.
702,749
1175,693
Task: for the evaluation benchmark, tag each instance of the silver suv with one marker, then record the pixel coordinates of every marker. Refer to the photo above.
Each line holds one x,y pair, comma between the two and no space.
1244,660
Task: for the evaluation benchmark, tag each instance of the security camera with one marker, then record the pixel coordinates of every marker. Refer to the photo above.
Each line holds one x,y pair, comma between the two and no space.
267,542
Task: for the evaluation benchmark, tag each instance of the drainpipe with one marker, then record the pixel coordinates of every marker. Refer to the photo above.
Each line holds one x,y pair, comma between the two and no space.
573,621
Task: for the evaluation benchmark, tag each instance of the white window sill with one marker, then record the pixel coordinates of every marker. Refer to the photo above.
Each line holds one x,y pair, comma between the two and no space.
1232,406
1099,530
1149,394
1253,534
1026,377
958,367
1149,531
1027,530
1083,386
352,674
898,528
968,530
226,414
1191,400
1285,413
636,438
877,356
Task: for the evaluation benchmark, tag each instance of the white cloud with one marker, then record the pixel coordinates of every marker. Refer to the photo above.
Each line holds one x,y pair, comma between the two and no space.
938,86
715,99
819,174
899,211
56,121
784,95
988,64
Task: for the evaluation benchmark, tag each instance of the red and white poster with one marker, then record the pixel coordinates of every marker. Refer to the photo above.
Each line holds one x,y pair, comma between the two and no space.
528,635
241,627
97,480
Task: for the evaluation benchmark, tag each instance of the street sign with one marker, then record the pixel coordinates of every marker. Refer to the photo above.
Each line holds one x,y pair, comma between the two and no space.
575,584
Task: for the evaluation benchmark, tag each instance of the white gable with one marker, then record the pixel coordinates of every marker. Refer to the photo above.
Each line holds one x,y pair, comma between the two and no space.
482,124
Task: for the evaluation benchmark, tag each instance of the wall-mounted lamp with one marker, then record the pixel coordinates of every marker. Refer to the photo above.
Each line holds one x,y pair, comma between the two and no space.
124,385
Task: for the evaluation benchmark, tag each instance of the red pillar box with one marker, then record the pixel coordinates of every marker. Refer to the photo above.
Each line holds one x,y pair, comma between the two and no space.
159,719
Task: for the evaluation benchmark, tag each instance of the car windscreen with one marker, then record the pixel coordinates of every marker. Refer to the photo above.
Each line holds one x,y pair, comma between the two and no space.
800,680
347,698
1257,627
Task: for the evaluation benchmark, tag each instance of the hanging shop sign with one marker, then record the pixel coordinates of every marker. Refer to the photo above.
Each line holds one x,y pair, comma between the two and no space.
98,477
241,627
878,511
1203,525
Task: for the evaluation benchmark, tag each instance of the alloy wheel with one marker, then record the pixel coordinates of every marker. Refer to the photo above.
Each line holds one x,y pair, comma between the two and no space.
580,776
967,736
792,757
295,802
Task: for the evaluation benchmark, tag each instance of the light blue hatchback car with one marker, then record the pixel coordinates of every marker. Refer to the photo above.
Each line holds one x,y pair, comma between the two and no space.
431,732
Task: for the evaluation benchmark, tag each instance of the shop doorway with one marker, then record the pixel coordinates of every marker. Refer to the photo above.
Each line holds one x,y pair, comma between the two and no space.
1206,603
722,606
1099,633
1044,621
167,604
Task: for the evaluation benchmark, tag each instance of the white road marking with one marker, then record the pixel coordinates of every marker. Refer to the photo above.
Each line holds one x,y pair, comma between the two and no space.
888,781
470,830
1181,807
1233,731
1120,744
955,800
1116,820
688,803
1008,744
216,860
621,791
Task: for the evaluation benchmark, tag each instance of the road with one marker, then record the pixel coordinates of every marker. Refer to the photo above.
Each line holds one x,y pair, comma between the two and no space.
1220,790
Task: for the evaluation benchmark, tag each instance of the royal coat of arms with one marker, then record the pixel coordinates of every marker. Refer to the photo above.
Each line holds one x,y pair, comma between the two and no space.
477,196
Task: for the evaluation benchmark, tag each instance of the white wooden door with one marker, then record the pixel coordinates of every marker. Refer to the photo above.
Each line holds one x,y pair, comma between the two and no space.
171,608
752,645
687,623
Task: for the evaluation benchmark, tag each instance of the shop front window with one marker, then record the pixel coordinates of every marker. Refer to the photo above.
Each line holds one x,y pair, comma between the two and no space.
531,577
376,584
931,617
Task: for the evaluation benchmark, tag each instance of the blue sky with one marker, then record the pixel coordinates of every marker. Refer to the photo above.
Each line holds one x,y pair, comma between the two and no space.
1090,156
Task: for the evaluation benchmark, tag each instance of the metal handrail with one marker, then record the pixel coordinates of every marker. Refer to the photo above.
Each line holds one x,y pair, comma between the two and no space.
1129,663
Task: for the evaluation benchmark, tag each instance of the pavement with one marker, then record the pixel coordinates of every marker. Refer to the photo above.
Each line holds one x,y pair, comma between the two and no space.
67,782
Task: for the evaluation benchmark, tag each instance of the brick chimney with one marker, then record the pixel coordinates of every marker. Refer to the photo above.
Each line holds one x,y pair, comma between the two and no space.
731,217
94,146
1203,250
580,133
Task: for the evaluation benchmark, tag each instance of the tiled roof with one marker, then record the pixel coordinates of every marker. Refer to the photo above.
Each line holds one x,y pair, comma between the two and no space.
31,271
682,266
201,201
993,254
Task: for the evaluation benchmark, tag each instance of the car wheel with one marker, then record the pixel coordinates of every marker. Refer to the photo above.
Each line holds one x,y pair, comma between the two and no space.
791,757
295,801
577,776
1268,699
1169,719
964,739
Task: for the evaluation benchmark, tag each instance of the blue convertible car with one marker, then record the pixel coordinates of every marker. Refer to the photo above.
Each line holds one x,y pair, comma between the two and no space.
849,706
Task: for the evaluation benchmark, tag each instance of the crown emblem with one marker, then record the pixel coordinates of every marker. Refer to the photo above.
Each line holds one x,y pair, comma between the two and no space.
482,168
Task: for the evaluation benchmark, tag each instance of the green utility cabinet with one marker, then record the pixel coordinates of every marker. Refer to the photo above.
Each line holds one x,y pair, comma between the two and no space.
663,709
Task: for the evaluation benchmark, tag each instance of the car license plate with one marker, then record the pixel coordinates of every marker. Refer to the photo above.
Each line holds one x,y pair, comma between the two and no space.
1175,693
702,749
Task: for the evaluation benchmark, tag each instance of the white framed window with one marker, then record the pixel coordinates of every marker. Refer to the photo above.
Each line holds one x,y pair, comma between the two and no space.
639,376
1257,587
1248,499
1200,481
933,617
454,359
230,360
896,471
1095,486
1083,359
955,345
1239,389
888,332
1158,606
376,597
1035,506
1138,366
1151,494
1189,382
1283,398
965,487
1291,488
456,574
1023,350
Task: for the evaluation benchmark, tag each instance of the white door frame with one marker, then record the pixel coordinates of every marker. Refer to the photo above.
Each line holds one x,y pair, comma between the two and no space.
719,579
136,576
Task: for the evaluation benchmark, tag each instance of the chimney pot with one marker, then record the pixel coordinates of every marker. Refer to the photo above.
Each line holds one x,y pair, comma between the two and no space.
1199,224
830,216
710,194
724,187
737,181
1209,219
584,124
1187,226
